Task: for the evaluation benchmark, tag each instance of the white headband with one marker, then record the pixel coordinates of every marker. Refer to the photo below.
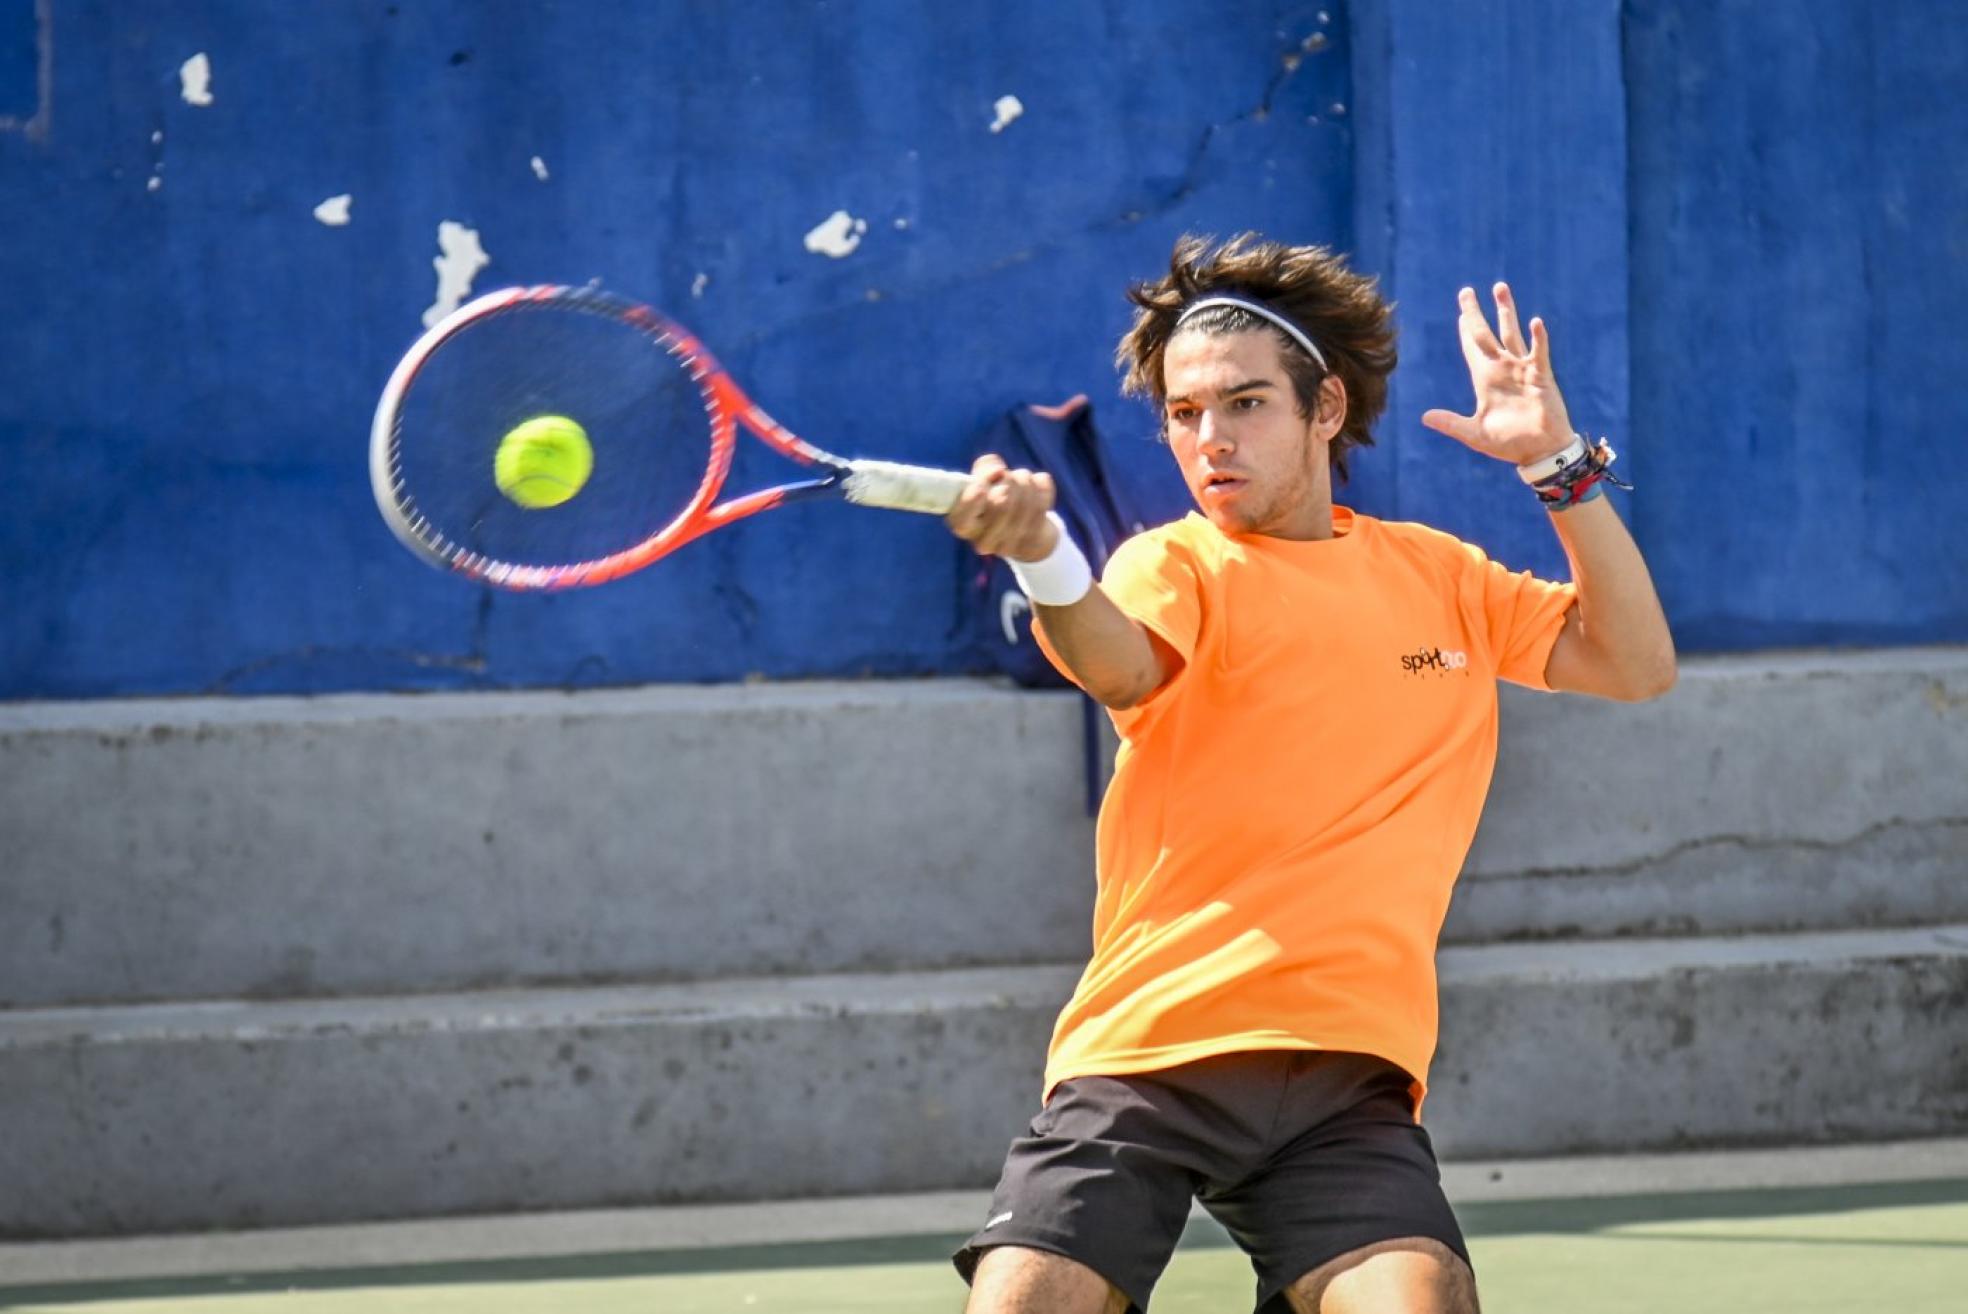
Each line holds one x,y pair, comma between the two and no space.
1262,311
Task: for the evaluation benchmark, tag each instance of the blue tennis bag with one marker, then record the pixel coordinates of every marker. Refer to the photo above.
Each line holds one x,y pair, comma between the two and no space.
1107,492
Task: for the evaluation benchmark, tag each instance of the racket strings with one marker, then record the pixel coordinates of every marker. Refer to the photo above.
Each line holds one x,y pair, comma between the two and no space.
631,388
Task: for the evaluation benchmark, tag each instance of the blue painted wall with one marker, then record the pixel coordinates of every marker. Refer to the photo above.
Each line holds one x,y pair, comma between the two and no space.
192,381
1800,316
1744,221
1490,145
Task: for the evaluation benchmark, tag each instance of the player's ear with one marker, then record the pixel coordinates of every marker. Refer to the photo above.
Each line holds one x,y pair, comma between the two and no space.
1331,413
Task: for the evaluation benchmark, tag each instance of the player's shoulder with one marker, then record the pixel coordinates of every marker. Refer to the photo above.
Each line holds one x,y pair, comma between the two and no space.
1417,539
1191,539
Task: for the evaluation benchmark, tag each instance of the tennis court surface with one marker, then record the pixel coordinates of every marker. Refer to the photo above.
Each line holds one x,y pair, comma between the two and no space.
1823,1240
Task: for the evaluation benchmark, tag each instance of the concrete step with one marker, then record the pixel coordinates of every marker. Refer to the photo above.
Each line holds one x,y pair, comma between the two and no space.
275,848
147,1118
289,847
144,1118
1668,1044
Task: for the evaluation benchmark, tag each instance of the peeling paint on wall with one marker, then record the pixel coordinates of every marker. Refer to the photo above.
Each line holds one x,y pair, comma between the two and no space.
335,210
195,80
1007,108
156,180
459,264
698,284
539,168
837,235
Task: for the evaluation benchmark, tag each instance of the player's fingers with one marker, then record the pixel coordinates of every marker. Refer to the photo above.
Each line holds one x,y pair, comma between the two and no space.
1477,340
994,505
1508,332
1030,494
1027,524
1540,344
1001,509
1462,428
967,516
1039,537
985,472
1023,521
972,520
997,532
1025,501
1048,494
977,492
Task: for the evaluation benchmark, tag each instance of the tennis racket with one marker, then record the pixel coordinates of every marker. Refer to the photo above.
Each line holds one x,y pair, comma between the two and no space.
659,414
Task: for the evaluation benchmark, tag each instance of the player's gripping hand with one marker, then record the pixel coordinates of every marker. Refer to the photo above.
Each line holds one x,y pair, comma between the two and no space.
1002,512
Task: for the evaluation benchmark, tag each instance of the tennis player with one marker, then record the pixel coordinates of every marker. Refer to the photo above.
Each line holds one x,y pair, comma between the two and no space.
1306,700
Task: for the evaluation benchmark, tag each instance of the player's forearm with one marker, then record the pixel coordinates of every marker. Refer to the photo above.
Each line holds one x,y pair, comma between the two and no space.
1108,653
1620,613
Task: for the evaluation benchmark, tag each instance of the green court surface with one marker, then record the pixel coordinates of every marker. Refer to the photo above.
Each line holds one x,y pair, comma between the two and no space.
1900,1247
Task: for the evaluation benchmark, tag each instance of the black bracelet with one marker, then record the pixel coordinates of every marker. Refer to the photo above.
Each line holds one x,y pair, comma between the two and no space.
1579,480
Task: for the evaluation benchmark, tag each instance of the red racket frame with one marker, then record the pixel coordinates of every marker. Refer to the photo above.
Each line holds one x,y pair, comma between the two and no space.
724,401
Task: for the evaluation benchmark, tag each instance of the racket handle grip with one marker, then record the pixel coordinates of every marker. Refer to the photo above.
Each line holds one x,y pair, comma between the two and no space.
903,487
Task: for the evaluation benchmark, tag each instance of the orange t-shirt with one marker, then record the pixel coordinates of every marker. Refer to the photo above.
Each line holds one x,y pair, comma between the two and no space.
1289,812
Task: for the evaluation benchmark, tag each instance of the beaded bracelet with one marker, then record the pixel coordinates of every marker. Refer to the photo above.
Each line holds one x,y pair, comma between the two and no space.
1573,475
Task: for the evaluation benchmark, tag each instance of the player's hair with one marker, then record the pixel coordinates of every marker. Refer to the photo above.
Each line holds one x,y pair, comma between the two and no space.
1341,311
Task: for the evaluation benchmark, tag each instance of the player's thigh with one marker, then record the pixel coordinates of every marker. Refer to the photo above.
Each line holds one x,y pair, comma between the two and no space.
1103,1177
1020,1280
1404,1275
1356,1174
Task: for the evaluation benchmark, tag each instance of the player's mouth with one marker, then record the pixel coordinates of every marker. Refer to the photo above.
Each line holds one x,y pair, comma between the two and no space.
1221,484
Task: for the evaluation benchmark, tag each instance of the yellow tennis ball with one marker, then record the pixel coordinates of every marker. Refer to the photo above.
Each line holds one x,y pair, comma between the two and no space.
543,462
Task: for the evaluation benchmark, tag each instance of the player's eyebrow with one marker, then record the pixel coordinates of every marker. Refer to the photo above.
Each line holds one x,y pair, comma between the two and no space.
1248,385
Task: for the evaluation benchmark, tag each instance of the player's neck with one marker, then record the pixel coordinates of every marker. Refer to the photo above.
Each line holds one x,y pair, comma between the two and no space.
1309,518
1308,524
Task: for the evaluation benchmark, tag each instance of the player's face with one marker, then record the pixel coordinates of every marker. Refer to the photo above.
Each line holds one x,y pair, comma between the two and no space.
1252,462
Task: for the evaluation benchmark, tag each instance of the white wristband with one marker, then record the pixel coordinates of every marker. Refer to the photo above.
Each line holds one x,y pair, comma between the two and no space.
1062,578
1532,472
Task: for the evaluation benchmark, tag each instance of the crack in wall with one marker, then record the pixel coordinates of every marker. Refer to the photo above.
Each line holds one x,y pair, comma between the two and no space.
471,662
1192,175
1743,843
1191,181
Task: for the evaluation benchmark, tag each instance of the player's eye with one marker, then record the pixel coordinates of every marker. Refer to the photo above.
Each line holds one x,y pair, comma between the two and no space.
1249,403
1181,414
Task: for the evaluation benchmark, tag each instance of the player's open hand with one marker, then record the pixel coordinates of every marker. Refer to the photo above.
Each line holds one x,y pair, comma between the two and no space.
1519,415
1003,511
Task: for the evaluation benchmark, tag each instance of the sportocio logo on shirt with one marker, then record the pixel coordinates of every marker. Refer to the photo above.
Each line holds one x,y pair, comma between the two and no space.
1435,661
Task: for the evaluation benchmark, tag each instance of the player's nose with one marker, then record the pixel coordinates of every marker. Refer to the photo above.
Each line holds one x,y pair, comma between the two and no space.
1212,435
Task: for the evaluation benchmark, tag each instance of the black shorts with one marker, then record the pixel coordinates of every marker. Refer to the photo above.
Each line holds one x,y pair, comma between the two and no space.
1300,1155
